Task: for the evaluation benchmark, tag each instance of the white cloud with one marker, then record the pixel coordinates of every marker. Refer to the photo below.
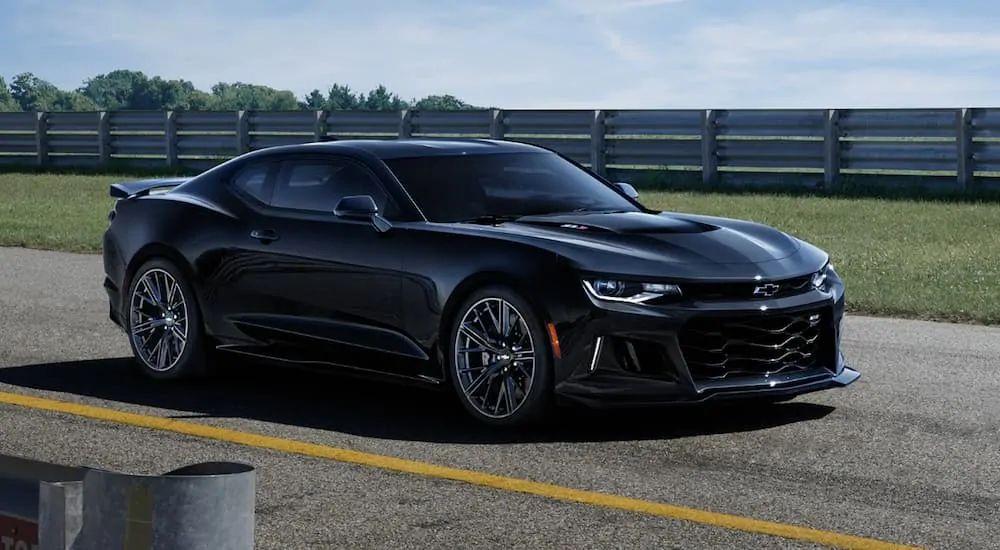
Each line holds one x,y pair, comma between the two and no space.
567,53
489,56
828,57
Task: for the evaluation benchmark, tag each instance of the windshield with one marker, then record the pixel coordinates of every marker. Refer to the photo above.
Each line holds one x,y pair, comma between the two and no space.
462,187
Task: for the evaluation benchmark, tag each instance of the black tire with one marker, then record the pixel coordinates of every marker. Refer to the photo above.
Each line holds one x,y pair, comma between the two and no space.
193,359
537,400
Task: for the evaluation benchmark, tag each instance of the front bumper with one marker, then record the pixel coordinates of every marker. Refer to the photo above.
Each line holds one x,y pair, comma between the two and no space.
628,355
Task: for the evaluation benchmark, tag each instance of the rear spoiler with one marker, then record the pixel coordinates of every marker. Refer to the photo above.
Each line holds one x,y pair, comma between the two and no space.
138,188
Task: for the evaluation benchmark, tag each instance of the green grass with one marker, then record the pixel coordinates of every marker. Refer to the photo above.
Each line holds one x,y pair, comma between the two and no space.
930,259
54,211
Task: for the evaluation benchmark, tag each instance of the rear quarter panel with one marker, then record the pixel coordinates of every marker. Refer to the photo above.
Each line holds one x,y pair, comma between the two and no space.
182,226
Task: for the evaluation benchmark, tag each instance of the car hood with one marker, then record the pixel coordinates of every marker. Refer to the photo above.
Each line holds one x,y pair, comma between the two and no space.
669,244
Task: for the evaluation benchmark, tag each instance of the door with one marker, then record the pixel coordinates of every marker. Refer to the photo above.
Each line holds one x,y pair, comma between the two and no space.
332,285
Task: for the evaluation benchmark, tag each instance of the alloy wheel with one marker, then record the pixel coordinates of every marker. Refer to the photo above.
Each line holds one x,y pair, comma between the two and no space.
158,320
494,358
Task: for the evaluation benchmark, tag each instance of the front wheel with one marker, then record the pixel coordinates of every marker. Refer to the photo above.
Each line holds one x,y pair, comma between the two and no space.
500,358
163,322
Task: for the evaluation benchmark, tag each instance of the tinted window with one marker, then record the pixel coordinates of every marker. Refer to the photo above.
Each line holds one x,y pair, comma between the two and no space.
451,188
318,185
252,180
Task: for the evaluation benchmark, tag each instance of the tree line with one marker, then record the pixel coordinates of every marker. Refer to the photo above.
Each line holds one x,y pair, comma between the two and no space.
125,89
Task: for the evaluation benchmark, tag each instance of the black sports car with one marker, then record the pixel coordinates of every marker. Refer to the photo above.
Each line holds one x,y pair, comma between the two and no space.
506,271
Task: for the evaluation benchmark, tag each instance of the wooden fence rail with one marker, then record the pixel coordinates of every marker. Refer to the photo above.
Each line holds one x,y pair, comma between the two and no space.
960,146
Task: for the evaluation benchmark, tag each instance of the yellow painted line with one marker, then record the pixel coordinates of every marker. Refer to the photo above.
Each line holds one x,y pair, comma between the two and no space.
547,490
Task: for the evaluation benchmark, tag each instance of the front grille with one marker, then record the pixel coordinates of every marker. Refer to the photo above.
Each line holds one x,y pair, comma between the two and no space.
744,291
715,348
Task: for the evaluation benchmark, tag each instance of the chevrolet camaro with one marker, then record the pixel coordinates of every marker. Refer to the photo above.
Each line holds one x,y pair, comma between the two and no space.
505,272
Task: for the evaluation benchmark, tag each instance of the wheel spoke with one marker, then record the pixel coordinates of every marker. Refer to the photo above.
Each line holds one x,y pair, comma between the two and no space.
501,397
146,341
154,353
151,293
494,320
526,355
510,390
505,326
148,325
162,357
524,370
172,288
480,339
524,333
480,380
144,298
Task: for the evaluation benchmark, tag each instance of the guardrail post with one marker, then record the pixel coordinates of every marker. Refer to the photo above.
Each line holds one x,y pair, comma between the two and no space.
831,150
170,137
497,124
103,137
597,144
709,158
42,138
208,506
964,148
242,132
319,125
405,124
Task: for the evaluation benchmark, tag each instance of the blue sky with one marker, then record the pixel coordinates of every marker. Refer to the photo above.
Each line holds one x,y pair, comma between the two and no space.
535,54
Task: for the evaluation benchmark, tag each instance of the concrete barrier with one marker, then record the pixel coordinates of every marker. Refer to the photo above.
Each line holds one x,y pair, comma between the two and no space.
198,507
207,506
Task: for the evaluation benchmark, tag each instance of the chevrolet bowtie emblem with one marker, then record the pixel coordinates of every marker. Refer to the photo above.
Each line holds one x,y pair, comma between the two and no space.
769,289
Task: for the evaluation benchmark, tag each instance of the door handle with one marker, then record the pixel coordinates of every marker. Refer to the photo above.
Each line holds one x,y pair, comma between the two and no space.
264,235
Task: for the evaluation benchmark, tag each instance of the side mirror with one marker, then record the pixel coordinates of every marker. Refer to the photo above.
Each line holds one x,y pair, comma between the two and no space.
356,207
628,190
362,207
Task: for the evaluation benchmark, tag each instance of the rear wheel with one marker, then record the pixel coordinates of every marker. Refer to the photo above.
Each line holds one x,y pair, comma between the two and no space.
500,361
163,322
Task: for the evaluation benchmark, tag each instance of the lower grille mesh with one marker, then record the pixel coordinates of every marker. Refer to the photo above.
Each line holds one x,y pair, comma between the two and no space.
716,348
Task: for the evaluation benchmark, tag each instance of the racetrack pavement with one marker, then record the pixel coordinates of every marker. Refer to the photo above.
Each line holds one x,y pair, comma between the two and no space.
909,454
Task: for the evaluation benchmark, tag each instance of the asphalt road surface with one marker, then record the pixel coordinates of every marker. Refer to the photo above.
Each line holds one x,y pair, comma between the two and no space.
909,454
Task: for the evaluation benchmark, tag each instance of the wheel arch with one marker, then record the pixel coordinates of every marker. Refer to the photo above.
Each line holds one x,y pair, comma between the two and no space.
156,250
465,289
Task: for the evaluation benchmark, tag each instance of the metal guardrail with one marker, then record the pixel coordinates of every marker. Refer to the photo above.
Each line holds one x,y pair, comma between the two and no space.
803,145
206,506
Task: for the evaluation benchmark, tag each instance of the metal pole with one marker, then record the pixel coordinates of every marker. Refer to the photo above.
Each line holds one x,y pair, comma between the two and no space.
208,506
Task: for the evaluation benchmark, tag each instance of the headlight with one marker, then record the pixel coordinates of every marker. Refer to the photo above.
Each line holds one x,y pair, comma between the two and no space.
613,290
821,277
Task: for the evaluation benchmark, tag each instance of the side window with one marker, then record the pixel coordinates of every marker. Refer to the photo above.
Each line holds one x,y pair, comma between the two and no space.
252,180
317,185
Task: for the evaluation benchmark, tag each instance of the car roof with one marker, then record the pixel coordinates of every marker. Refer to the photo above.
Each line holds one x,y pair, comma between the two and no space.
414,147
